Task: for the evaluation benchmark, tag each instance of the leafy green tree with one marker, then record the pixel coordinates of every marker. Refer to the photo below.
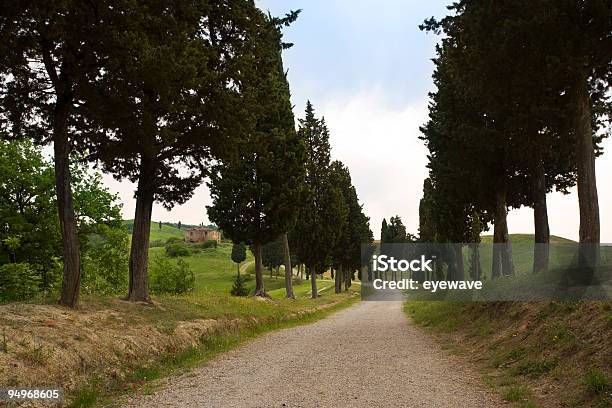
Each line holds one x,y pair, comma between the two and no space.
30,234
163,105
273,254
170,277
256,190
48,51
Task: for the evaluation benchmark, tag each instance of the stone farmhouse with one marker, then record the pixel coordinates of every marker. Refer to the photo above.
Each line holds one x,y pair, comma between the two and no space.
201,234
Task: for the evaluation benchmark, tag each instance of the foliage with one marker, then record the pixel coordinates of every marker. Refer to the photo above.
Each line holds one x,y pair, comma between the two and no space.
211,243
170,277
105,264
177,249
272,254
356,232
157,243
239,288
238,252
29,233
18,281
256,189
323,211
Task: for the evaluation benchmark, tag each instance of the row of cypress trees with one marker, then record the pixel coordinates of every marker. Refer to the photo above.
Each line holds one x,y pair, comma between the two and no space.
520,109
163,94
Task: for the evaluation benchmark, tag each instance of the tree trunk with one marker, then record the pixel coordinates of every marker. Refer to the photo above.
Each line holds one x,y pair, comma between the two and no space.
347,279
139,254
70,243
288,269
259,283
475,261
587,185
459,267
540,219
502,248
313,282
338,280
238,268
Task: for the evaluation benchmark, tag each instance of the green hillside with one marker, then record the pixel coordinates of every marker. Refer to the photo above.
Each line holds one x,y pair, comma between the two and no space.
526,239
167,230
561,252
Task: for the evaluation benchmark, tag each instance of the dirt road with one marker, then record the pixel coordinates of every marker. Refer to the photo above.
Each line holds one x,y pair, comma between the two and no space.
369,355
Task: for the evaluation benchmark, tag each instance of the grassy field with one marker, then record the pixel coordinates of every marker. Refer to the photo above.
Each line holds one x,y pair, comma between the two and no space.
522,253
215,271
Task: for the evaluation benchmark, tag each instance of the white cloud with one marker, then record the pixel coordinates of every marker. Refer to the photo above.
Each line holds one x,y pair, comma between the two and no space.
380,146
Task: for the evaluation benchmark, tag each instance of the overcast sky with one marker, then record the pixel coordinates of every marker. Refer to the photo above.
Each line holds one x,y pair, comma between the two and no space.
367,68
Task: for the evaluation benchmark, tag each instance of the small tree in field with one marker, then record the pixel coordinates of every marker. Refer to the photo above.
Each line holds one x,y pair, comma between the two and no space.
238,254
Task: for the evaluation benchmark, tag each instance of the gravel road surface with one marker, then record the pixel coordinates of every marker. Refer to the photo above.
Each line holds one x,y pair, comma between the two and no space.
369,355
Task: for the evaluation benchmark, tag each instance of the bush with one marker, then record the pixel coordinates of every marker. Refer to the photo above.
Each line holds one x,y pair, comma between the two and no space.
170,277
174,240
176,250
239,287
105,262
208,244
18,281
156,243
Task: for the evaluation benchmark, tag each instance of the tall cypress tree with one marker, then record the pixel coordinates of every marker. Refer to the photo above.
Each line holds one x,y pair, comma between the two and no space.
356,231
323,211
256,190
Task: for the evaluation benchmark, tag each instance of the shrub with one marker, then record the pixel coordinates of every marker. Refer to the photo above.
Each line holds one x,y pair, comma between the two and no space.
156,243
239,287
18,281
170,277
176,250
105,262
208,244
174,240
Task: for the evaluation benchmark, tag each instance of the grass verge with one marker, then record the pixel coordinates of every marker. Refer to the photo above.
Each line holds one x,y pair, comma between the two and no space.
535,354
143,378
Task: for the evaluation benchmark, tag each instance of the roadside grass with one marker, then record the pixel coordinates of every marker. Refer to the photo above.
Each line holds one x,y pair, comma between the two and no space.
142,378
110,347
529,352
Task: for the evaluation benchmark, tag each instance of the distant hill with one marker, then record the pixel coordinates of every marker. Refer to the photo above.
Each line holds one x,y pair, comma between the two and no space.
526,239
167,230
